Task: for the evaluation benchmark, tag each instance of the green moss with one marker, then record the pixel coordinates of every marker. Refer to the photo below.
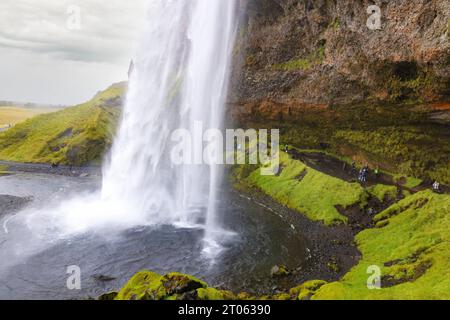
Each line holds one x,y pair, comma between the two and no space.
295,64
3,169
147,285
412,152
315,58
412,250
142,286
75,136
307,289
383,192
309,191
214,294
335,25
408,182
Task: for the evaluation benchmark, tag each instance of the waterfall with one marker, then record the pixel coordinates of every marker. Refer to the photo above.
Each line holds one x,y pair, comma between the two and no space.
179,79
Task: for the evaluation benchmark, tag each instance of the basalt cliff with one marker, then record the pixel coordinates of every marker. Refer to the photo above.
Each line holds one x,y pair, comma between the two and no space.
330,80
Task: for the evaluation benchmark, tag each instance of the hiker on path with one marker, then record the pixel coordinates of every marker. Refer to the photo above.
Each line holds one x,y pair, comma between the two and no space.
436,186
377,172
353,167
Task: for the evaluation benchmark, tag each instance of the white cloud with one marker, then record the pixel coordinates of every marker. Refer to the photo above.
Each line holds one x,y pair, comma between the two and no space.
36,44
108,28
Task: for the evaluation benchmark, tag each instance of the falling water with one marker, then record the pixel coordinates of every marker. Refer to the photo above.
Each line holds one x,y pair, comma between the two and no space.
179,79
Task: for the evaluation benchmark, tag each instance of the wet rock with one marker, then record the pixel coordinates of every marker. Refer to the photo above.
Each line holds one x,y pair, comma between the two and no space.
108,296
279,271
11,204
103,278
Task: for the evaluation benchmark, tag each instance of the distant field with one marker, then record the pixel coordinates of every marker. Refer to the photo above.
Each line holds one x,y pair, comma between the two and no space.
13,115
75,135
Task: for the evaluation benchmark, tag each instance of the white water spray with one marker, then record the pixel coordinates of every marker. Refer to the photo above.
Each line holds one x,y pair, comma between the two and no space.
180,77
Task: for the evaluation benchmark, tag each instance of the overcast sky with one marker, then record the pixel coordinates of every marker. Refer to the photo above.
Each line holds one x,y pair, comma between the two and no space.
46,58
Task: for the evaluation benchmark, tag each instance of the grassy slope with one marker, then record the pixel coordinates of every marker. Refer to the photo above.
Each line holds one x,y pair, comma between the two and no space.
411,245
76,135
309,191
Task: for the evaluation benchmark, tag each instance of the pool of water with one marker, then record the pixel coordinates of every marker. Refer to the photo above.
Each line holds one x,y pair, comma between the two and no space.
258,240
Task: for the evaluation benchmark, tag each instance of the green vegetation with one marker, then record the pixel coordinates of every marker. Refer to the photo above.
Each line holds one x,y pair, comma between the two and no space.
147,285
335,25
307,289
306,190
383,192
407,182
398,139
3,169
315,58
74,136
404,146
411,245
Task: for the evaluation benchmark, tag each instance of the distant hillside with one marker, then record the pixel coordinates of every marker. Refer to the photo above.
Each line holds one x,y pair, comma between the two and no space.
12,115
77,135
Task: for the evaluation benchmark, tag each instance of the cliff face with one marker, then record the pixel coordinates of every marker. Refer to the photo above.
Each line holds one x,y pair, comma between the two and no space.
323,52
315,70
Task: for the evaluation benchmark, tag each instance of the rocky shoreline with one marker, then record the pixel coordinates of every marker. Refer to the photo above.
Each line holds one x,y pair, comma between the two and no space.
71,171
11,204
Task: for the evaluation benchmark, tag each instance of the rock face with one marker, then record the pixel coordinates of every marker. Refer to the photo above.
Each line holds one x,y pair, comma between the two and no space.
11,204
323,52
319,73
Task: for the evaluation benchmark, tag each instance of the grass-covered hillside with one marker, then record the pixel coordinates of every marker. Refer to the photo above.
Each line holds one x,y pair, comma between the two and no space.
74,136
411,246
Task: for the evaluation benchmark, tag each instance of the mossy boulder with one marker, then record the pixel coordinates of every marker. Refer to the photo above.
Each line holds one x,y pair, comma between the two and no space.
148,285
306,290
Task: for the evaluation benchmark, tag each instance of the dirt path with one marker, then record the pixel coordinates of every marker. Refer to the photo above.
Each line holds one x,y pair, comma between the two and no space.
340,169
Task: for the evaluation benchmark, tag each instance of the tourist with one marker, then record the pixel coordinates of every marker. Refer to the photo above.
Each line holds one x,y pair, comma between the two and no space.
436,186
377,172
353,167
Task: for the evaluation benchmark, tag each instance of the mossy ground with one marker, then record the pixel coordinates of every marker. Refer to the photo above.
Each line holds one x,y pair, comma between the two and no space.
411,246
74,136
383,192
306,190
